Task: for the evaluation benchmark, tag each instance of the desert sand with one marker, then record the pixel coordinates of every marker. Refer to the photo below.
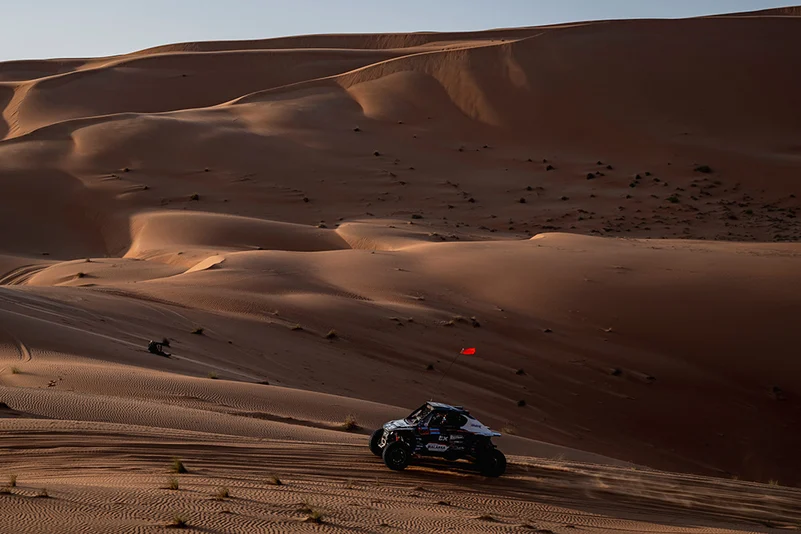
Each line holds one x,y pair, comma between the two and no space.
607,211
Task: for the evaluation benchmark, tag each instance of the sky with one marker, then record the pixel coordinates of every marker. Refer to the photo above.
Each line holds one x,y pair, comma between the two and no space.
34,29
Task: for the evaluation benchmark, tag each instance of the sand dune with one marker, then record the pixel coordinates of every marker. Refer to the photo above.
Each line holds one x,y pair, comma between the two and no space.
318,224
544,496
168,230
160,83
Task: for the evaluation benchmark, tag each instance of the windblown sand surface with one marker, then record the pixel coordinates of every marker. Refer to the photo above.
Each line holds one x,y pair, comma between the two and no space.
607,211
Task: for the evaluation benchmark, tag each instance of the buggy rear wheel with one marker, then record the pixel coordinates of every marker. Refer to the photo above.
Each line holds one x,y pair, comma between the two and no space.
492,463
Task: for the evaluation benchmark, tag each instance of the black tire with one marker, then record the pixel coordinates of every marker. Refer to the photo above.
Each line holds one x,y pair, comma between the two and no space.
492,463
374,440
397,455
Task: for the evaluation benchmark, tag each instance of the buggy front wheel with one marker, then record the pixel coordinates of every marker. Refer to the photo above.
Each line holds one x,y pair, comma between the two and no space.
397,455
375,440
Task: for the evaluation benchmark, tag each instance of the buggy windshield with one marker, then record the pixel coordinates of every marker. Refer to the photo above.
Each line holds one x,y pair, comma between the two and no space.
418,415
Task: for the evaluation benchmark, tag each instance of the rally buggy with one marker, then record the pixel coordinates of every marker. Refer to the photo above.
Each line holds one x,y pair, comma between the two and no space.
438,430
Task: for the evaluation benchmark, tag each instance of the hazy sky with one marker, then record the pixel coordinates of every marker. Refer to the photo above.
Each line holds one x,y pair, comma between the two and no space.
81,28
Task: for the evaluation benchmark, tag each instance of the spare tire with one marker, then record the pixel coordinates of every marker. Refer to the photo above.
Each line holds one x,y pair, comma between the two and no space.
375,439
492,463
397,455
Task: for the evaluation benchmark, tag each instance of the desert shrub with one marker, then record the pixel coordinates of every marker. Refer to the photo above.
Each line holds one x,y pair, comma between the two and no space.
350,423
177,466
178,521
313,516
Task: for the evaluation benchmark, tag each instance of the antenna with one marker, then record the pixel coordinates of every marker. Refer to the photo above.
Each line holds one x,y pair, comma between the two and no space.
441,378
463,351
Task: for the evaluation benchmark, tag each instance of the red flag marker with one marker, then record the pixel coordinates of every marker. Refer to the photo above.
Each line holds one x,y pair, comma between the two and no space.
468,351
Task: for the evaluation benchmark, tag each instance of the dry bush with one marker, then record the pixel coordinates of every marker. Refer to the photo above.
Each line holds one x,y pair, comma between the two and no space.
350,423
178,521
178,466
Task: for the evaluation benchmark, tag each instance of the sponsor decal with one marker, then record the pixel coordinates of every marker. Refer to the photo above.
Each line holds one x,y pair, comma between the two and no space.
437,447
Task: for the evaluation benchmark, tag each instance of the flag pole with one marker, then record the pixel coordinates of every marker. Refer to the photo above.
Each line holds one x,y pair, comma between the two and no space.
463,351
449,368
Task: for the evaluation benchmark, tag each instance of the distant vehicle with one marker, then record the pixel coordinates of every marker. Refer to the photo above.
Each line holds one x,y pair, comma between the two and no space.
438,430
155,347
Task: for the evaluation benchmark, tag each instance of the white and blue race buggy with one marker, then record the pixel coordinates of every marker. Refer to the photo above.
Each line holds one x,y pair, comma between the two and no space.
438,430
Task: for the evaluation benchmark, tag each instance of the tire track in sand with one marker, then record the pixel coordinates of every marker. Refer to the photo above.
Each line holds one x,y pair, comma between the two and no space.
21,348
